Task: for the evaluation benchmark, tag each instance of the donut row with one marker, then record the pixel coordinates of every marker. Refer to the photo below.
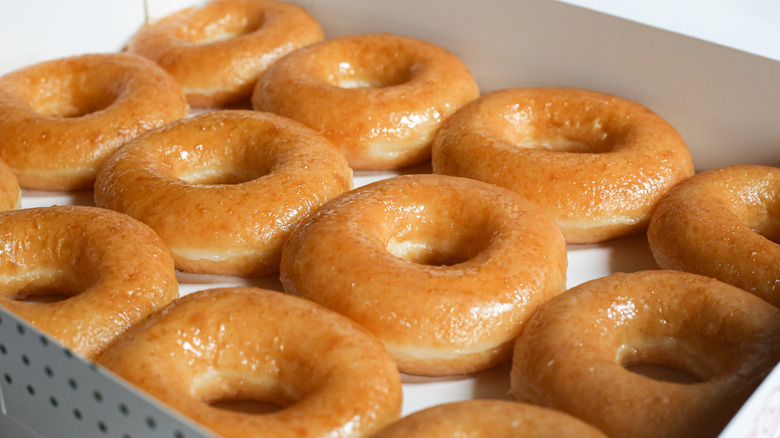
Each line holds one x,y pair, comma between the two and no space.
573,354
431,274
598,163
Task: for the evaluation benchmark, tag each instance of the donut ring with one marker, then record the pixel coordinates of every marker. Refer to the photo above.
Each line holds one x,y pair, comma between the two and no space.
379,98
597,163
331,376
572,353
110,270
59,120
223,189
488,419
725,224
443,270
10,193
218,51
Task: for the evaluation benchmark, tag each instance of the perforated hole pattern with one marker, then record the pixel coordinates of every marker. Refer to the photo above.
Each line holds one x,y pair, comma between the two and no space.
54,393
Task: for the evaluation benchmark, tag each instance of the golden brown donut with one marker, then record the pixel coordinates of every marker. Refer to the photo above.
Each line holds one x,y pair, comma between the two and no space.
597,163
488,419
59,120
10,193
217,51
329,375
443,270
223,189
379,98
725,224
82,274
572,355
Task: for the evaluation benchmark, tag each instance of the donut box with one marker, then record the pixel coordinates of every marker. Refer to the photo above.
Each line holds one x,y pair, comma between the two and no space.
723,101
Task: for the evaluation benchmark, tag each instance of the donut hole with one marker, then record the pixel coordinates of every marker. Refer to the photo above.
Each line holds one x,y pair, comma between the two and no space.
368,81
555,144
206,28
240,392
755,206
71,97
558,127
48,287
769,225
438,242
432,253
770,229
375,70
662,373
247,406
660,361
200,164
45,295
219,175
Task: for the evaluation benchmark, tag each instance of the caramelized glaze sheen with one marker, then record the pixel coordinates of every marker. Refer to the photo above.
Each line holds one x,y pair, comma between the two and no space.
379,98
59,120
598,163
110,270
573,353
444,270
329,375
217,51
224,189
723,223
488,419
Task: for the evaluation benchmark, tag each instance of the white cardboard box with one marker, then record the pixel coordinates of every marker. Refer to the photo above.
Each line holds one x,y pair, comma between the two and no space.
723,101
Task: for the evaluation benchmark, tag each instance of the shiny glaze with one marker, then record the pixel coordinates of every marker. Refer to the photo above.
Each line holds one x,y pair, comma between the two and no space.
573,353
379,98
59,120
598,163
723,223
217,51
111,270
331,377
444,270
488,419
224,189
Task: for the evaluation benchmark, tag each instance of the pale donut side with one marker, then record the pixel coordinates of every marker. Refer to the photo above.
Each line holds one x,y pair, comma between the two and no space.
60,119
573,354
598,163
723,223
10,192
218,50
443,270
379,98
329,375
223,189
109,271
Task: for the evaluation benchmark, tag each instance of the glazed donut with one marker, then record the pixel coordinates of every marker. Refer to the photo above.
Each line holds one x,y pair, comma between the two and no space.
82,274
488,419
59,120
573,353
330,376
218,51
379,98
223,189
597,163
725,224
443,270
10,193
